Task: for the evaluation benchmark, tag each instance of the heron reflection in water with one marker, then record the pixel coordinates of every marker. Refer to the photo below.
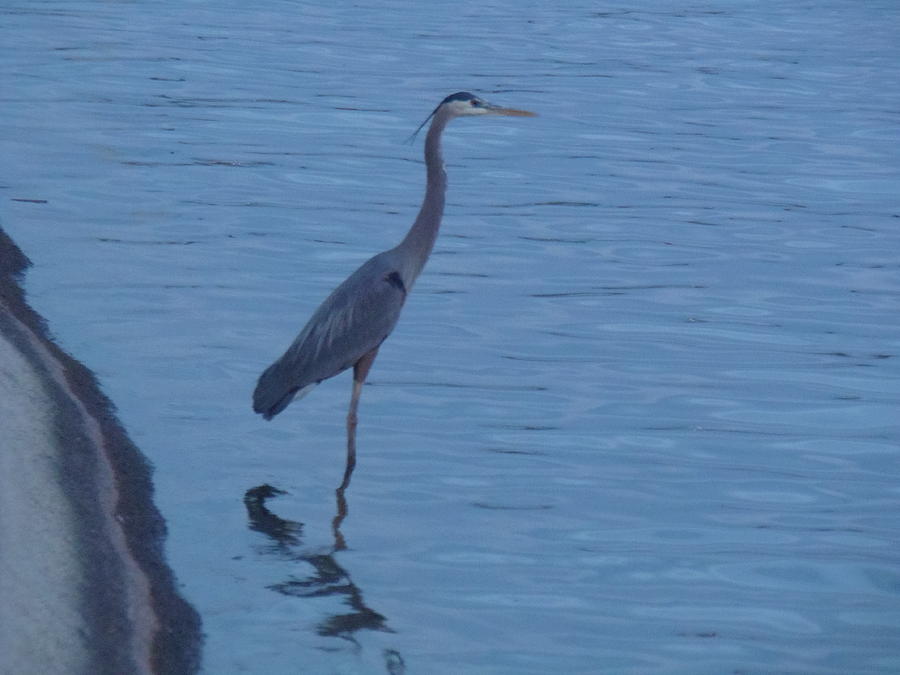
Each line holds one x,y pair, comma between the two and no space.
349,326
328,580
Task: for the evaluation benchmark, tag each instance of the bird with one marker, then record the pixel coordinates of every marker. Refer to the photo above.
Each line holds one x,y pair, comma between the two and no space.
350,325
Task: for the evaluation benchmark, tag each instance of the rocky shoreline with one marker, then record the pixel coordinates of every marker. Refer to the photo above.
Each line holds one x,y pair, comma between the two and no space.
83,577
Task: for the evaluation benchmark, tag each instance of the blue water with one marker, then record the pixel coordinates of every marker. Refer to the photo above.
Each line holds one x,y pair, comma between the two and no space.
641,412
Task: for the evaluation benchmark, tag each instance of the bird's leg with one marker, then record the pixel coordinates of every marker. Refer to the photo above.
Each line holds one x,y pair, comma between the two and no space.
360,371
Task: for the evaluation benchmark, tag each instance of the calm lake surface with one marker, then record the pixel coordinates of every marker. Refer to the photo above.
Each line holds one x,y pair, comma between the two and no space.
640,414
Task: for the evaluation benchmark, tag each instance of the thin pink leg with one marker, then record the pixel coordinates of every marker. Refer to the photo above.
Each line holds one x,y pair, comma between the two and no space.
360,371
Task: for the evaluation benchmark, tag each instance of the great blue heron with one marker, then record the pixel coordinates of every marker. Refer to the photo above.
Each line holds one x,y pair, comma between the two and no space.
349,327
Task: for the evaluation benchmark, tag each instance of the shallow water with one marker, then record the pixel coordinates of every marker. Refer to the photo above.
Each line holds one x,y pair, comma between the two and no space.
640,414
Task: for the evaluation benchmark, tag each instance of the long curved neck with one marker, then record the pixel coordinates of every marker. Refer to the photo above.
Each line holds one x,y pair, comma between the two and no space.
418,242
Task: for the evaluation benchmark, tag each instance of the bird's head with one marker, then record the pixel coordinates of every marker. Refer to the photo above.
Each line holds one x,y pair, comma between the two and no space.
464,104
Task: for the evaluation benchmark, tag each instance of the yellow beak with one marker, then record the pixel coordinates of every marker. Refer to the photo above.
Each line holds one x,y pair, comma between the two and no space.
513,112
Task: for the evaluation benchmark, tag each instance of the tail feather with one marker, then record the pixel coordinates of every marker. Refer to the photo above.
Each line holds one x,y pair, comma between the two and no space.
272,395
268,412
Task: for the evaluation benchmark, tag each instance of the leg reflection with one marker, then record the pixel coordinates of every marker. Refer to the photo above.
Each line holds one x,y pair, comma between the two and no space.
339,515
351,453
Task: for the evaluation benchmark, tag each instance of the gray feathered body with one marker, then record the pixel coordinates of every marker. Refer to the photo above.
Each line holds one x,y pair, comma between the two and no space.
351,322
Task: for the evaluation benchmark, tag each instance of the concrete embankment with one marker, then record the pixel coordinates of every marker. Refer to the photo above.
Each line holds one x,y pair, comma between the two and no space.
84,587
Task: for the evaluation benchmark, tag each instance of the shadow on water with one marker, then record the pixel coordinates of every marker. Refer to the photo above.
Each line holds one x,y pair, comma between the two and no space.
328,577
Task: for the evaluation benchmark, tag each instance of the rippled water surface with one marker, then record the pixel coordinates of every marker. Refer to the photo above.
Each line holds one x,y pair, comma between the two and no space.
641,412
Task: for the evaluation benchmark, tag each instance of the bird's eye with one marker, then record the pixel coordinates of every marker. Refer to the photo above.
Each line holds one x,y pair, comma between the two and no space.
475,102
